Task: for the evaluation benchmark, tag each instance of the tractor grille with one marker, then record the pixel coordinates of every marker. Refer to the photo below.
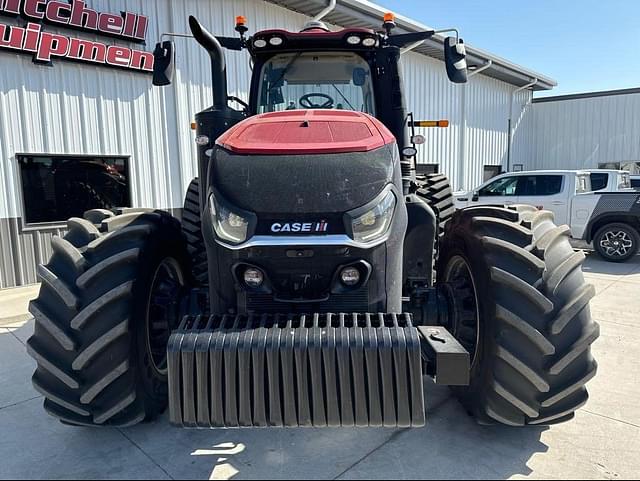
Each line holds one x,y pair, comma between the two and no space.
356,301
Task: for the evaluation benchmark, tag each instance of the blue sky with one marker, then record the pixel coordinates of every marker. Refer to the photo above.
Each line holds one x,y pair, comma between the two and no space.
585,45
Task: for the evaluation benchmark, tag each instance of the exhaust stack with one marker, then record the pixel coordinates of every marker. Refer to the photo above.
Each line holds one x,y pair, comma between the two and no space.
218,63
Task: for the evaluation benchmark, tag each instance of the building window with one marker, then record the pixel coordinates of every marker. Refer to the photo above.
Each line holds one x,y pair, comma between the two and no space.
57,187
491,171
425,169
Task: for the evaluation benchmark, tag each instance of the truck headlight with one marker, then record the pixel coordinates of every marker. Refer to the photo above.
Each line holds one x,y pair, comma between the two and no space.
230,226
375,223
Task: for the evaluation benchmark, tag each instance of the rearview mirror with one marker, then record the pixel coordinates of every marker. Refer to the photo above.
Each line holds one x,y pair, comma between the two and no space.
164,65
359,77
476,197
455,58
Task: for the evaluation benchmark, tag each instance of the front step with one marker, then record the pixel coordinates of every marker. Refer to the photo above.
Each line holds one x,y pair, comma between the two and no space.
322,370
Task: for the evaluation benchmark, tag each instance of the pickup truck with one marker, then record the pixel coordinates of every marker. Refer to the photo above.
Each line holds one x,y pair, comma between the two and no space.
608,219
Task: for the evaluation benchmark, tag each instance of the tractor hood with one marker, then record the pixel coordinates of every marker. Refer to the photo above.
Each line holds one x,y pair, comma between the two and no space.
305,162
307,132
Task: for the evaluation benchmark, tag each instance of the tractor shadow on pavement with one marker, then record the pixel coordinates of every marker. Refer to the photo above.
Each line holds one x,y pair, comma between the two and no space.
452,446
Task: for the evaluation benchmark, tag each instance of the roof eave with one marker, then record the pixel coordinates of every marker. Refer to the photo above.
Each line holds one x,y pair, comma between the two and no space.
354,13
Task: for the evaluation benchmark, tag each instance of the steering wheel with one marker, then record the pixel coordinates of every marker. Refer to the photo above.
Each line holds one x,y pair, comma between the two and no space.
306,102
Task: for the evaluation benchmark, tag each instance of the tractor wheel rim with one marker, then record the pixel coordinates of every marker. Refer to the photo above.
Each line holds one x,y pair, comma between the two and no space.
465,322
616,243
163,312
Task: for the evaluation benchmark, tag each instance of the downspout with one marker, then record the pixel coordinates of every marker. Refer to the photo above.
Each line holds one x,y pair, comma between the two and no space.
510,137
462,143
330,8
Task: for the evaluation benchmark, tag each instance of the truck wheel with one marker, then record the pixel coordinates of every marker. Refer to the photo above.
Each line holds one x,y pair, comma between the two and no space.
436,190
108,303
192,228
521,309
617,242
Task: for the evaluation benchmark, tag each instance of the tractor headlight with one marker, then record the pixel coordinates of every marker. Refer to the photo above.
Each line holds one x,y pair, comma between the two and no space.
230,226
375,223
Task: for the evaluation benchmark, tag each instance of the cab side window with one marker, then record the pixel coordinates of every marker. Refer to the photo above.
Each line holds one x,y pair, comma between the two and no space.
540,185
505,187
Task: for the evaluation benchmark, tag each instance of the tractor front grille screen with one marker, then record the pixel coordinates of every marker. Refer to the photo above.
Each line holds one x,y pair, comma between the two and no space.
349,302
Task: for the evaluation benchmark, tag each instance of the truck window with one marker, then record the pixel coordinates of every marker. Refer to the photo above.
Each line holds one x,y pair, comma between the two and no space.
635,183
502,187
599,181
540,185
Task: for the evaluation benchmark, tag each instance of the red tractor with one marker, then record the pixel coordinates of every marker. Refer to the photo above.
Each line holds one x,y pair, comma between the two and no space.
314,279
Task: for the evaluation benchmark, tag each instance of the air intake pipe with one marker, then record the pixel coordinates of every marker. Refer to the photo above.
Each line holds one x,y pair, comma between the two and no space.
218,63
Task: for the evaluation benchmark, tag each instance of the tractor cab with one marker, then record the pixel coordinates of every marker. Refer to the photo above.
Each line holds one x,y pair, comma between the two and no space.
355,69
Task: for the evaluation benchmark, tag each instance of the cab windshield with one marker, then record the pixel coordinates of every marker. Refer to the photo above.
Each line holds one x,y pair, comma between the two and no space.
332,80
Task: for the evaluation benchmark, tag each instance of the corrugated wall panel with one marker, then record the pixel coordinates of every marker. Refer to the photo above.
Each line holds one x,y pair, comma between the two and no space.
478,112
431,96
585,132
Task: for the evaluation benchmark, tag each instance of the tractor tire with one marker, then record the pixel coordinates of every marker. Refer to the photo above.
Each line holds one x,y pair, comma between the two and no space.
617,242
436,190
522,311
192,229
108,302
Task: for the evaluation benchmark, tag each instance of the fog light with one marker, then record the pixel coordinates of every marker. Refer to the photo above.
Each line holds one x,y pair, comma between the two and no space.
350,276
253,277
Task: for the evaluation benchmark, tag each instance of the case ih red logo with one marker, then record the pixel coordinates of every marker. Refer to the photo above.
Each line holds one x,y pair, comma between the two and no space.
76,15
300,227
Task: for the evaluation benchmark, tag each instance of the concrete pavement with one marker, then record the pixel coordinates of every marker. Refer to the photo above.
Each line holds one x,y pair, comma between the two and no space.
603,442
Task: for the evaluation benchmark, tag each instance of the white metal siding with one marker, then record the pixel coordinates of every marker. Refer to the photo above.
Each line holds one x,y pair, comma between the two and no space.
582,133
82,109
478,112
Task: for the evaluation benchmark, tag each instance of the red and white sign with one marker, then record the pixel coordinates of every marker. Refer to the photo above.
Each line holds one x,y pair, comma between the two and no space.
76,15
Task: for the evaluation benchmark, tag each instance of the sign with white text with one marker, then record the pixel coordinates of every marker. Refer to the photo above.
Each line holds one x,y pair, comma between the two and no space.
74,14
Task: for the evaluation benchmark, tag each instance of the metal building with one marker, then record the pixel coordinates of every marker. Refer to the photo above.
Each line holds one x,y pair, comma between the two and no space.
583,131
113,123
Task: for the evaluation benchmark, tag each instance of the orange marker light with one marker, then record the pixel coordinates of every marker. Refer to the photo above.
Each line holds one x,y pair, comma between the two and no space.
194,126
431,123
241,20
389,17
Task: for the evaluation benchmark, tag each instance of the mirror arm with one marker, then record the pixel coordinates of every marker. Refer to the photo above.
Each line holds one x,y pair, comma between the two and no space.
484,67
178,35
450,30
